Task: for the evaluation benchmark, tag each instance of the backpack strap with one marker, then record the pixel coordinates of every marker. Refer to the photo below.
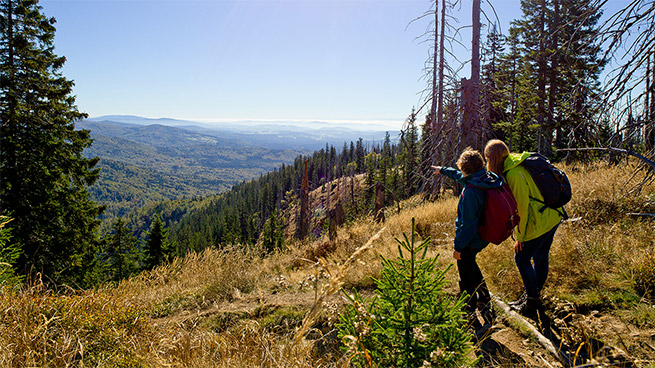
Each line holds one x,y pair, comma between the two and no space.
565,216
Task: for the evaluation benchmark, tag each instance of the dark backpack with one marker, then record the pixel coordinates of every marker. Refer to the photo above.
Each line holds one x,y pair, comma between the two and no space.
500,214
551,181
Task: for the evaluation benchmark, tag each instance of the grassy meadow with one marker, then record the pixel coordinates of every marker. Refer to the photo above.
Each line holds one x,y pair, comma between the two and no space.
234,308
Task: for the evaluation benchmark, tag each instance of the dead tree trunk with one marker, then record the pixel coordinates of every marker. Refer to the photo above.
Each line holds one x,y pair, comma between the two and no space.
466,105
475,141
649,130
440,135
541,78
435,114
435,92
441,63
303,216
379,202
470,90
552,95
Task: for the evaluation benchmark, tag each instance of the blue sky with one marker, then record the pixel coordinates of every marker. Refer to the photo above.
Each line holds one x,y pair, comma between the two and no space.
230,60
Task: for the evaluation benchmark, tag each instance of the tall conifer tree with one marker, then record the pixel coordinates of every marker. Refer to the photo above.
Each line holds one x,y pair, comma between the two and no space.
43,175
121,252
559,72
157,248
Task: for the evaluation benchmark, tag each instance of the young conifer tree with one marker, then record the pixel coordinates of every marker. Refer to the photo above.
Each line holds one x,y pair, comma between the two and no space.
43,175
411,321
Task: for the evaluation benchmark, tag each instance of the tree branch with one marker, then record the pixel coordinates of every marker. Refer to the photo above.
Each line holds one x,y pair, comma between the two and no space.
620,150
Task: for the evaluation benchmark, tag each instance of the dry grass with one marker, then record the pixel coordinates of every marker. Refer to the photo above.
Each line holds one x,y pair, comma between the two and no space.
172,316
598,255
594,258
41,328
195,281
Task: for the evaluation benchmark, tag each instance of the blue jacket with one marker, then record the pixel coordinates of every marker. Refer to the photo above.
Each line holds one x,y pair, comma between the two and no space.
471,205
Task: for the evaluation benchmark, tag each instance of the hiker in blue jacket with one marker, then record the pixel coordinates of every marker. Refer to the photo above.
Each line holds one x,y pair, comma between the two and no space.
473,176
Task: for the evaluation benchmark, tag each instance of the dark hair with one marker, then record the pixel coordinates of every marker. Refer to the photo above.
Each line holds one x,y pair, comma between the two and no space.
470,161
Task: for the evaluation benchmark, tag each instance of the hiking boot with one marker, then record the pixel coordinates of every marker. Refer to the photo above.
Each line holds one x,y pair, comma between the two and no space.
473,321
488,315
532,308
487,312
516,305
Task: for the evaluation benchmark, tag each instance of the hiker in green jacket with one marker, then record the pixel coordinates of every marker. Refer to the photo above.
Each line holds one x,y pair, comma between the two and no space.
473,176
536,228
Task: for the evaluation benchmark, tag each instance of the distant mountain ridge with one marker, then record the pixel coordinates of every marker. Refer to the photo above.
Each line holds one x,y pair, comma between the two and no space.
310,135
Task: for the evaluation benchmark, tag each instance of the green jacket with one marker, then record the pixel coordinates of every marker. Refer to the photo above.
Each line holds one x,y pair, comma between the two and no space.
470,206
533,223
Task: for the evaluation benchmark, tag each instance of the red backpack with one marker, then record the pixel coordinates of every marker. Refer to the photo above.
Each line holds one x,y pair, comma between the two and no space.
500,214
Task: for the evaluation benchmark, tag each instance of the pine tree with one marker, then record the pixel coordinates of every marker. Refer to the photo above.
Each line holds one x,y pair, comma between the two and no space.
411,321
371,164
410,156
359,156
43,176
157,248
302,225
493,100
120,255
273,233
505,78
559,72
576,68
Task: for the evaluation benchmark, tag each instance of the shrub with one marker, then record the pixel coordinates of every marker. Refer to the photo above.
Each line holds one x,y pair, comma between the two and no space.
411,321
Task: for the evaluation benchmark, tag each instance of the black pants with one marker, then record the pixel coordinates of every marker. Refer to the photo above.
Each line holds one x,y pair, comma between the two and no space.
471,280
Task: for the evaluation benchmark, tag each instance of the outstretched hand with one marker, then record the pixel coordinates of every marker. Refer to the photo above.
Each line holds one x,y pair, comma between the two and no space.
437,169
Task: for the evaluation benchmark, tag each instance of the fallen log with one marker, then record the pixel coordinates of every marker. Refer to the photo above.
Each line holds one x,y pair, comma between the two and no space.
561,357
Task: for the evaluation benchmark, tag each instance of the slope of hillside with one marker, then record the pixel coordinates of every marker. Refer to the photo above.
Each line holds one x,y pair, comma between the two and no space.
234,307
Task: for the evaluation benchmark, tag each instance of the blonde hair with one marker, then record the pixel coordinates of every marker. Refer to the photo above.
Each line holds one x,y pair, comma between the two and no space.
470,161
496,152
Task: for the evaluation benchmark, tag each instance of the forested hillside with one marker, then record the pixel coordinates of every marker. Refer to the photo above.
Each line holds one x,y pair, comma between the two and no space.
271,203
142,164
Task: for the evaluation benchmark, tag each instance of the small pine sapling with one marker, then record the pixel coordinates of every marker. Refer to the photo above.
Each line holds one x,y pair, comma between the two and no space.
411,321
9,253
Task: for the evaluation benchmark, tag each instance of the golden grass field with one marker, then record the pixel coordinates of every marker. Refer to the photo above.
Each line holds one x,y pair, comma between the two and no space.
233,308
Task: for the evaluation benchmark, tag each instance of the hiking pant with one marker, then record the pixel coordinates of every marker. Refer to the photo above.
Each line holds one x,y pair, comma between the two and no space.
532,262
471,279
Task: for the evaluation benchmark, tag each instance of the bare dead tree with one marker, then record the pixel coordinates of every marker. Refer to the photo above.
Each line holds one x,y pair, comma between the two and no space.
630,38
303,217
436,143
470,89
475,136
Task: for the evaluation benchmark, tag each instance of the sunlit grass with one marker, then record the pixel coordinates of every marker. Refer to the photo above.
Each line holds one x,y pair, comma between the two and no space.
214,308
